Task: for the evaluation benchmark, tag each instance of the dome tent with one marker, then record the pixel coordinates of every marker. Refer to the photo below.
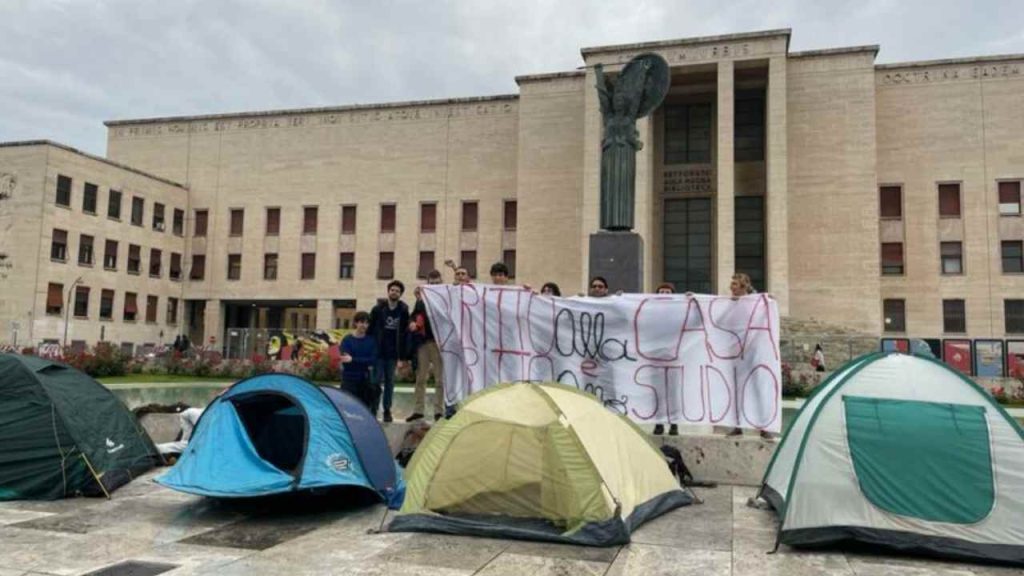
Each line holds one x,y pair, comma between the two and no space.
539,462
64,433
278,433
905,453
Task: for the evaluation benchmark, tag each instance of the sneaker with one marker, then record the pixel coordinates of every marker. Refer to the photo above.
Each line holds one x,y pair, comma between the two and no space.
735,432
673,430
659,429
415,416
387,416
767,436
438,415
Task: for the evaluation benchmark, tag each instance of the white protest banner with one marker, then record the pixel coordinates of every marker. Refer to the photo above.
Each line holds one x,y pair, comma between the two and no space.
670,359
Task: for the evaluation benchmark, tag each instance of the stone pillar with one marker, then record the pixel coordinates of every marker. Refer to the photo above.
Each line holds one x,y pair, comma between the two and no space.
725,200
776,155
213,325
324,314
646,210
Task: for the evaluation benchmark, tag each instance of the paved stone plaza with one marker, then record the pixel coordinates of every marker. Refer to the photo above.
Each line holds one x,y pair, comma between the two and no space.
147,523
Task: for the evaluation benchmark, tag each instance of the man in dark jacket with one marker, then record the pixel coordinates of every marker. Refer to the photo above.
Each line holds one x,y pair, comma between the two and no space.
389,324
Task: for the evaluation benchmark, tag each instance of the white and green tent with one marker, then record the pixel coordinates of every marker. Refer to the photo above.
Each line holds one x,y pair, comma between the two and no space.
905,453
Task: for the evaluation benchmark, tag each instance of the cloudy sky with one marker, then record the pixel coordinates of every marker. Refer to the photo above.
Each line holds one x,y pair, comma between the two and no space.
68,65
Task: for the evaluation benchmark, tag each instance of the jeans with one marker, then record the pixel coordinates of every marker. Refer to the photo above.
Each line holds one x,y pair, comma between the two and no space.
385,373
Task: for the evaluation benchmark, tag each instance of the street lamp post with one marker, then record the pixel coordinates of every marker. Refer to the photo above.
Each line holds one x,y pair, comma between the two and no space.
67,309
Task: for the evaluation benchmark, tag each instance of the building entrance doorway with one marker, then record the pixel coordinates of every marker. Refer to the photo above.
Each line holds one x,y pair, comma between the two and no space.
687,244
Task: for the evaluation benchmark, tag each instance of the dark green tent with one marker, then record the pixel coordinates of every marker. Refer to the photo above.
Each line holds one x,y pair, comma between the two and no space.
62,433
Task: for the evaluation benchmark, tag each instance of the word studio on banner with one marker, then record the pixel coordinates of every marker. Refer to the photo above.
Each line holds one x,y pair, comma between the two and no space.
666,359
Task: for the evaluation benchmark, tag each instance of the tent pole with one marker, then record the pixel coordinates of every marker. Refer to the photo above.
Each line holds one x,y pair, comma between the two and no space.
97,478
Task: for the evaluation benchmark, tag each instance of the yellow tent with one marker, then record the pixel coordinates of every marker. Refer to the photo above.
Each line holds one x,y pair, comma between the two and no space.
537,461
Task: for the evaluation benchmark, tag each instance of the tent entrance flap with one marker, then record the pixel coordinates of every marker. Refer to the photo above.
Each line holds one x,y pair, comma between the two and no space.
277,427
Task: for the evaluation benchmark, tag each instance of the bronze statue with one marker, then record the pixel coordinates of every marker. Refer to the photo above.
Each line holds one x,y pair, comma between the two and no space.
640,88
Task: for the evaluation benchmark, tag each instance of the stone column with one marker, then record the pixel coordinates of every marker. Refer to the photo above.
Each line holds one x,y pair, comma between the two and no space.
645,210
725,201
213,325
776,155
324,314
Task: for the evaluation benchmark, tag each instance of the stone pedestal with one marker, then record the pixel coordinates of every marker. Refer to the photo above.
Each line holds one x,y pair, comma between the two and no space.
619,258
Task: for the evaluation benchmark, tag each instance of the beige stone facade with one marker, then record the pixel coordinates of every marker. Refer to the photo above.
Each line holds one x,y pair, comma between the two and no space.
761,160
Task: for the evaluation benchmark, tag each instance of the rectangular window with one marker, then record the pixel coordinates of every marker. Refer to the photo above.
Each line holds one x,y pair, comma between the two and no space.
110,255
949,200
152,304
198,271
1013,312
59,245
1013,257
428,218
467,259
175,270
387,218
348,219
202,218
55,298
178,226
63,191
308,271
114,205
155,264
469,216
386,266
688,134
172,311
138,210
509,258
1009,198
895,314
749,123
234,266
892,258
511,214
134,259
131,307
81,302
309,219
346,265
158,217
890,202
954,317
273,221
85,251
89,198
426,264
952,257
237,221
270,266
106,304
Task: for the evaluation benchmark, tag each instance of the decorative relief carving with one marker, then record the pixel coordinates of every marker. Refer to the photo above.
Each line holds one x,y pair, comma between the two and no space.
950,74
689,180
8,183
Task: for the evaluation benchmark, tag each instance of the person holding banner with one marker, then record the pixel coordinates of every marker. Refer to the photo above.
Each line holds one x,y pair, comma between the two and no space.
598,287
659,429
740,286
428,356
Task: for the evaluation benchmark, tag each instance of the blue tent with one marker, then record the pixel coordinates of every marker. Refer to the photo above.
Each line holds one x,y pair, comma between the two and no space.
279,433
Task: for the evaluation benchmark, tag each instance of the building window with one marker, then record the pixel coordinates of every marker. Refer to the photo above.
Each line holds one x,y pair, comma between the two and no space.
509,258
81,302
346,265
387,218
467,259
59,245
134,259
469,216
55,298
234,266
89,198
152,304
428,218
270,266
426,264
273,221
63,191
890,202
309,219
175,270
511,214
158,217
1013,313
138,210
1009,198
85,252
386,266
155,264
114,205
237,221
202,218
348,219
131,307
688,134
892,258
895,314
748,142
308,271
952,257
178,226
172,311
1013,257
954,317
110,255
106,304
198,271
949,200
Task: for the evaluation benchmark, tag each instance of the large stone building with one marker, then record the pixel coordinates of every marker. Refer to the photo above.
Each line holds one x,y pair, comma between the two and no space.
885,198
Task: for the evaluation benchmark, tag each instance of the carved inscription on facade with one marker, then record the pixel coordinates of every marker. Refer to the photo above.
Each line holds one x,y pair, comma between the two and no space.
953,74
689,180
697,53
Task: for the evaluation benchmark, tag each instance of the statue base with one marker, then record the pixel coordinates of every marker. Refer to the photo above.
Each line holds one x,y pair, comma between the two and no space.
619,258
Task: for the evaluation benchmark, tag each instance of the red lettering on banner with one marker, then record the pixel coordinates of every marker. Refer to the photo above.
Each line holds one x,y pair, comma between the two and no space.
653,389
774,396
710,397
739,340
588,367
691,305
531,324
767,327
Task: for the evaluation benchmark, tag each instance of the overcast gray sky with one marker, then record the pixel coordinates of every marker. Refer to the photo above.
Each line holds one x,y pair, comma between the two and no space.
68,65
